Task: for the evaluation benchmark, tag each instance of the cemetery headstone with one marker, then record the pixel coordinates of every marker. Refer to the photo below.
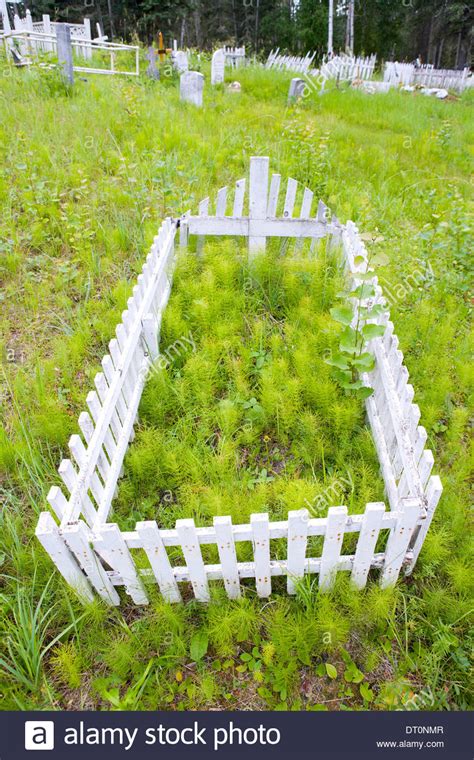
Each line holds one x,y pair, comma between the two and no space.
217,67
296,90
180,61
191,85
152,71
63,41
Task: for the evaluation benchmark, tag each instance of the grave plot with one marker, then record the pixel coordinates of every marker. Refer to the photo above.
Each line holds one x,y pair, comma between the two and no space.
249,462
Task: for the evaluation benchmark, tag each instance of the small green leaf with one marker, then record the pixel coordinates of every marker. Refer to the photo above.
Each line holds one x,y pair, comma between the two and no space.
359,260
364,362
348,340
380,259
331,670
372,331
365,392
364,276
363,291
342,314
199,644
343,376
366,692
338,361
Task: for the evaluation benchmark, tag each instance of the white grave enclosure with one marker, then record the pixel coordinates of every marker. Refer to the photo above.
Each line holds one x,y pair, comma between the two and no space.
218,67
191,85
96,557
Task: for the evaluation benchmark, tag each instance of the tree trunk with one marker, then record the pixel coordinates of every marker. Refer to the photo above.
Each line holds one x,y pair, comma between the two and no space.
111,19
330,27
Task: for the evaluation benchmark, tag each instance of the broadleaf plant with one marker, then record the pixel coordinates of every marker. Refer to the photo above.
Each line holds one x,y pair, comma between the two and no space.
352,357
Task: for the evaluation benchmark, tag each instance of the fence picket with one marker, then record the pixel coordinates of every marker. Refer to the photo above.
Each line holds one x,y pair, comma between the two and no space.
110,541
297,541
221,203
273,195
48,534
290,198
366,543
399,540
261,553
158,558
78,537
192,554
333,538
227,555
239,196
258,192
433,492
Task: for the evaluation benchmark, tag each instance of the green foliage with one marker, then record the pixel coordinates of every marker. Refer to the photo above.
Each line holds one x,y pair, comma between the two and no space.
253,420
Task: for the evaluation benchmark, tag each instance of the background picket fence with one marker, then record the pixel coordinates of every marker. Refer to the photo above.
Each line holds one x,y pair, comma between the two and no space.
93,554
348,68
289,62
427,76
234,56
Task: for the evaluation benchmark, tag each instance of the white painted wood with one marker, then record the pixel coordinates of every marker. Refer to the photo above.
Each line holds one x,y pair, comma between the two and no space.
239,198
152,543
333,539
69,476
108,415
261,553
268,227
273,195
296,552
366,543
87,428
290,198
111,543
399,540
78,537
47,533
258,193
122,443
95,407
227,555
434,489
57,500
150,335
221,202
79,453
192,554
305,212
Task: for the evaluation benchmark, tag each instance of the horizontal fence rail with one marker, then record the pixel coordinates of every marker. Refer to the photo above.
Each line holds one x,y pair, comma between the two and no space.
95,556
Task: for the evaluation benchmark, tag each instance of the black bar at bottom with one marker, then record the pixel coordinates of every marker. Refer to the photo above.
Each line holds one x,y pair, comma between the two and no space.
337,736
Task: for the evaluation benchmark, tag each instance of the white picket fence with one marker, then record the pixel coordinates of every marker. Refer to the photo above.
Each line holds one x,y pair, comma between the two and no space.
45,41
348,68
427,76
289,62
30,43
93,554
234,56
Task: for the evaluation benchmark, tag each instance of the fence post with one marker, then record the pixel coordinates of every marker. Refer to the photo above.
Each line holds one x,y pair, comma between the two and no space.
63,40
88,36
48,45
258,192
47,532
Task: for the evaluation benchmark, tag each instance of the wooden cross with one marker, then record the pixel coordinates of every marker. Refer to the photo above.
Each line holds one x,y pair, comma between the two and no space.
162,51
